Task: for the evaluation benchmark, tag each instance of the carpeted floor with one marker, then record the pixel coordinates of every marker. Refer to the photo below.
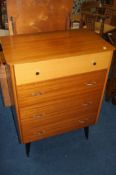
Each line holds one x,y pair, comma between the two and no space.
67,154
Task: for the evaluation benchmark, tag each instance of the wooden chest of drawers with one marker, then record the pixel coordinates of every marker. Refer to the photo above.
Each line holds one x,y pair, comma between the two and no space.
56,81
59,105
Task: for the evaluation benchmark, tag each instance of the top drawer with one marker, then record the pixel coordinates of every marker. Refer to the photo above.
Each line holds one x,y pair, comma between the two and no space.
56,68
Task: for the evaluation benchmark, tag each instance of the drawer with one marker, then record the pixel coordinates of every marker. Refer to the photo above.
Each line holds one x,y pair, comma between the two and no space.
32,134
55,68
59,117
47,111
60,89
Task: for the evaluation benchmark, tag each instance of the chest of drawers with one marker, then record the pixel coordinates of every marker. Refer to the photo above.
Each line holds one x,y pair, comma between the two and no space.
56,81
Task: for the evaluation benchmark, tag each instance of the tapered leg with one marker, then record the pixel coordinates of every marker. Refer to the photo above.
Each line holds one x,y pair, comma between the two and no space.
86,130
27,148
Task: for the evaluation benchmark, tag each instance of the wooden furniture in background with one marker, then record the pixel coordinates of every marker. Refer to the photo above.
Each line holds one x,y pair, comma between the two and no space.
57,81
111,84
110,13
90,14
0,15
111,37
3,15
96,18
30,16
109,3
4,84
110,7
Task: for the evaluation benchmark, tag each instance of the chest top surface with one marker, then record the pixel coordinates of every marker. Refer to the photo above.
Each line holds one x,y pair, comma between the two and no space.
36,47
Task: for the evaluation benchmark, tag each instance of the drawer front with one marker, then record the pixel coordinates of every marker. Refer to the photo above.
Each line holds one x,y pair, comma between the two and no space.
56,68
32,134
39,123
48,111
60,89
58,118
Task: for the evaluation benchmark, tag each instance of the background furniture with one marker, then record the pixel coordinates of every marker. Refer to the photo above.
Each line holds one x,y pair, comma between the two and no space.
111,84
3,15
96,17
32,16
109,2
56,81
91,13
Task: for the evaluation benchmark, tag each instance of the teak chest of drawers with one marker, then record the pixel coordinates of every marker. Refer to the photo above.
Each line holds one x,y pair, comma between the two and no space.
56,81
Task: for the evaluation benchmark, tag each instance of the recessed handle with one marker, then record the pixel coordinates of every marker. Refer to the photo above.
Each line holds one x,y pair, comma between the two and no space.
91,83
40,132
94,63
81,121
36,93
87,104
38,116
37,73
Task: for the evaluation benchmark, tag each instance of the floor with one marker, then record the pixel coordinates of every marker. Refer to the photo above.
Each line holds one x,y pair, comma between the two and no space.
67,154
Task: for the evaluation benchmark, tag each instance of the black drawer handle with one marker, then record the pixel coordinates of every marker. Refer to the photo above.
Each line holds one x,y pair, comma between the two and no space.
94,63
37,73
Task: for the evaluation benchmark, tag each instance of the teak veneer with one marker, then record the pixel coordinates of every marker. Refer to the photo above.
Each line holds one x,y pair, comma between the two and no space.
55,81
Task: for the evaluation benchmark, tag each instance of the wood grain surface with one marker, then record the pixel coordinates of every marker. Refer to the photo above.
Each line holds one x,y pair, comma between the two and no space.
55,68
38,47
37,133
56,104
30,16
39,93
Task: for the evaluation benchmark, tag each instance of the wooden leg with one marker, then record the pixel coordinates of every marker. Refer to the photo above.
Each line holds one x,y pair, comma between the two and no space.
27,148
86,130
